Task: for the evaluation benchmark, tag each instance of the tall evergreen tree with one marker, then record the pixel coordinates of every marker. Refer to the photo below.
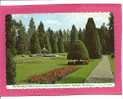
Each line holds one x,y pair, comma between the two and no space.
60,42
10,50
54,43
31,31
35,45
68,35
47,42
53,40
31,28
41,35
92,39
74,34
104,38
21,39
111,32
11,33
81,35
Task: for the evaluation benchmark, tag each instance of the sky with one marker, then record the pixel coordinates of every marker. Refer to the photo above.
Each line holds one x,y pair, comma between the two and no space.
63,21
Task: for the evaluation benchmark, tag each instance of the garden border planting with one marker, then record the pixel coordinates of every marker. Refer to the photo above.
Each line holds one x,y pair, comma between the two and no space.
52,76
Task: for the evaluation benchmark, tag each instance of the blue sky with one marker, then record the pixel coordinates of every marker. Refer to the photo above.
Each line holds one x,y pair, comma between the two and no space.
62,21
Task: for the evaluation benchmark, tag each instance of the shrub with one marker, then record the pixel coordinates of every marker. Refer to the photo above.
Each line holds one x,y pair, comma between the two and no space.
78,51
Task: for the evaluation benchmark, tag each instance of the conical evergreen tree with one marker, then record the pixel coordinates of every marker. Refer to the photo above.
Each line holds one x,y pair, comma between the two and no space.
47,43
53,40
92,39
60,42
104,38
35,45
31,28
74,34
31,31
21,39
41,35
54,44
81,35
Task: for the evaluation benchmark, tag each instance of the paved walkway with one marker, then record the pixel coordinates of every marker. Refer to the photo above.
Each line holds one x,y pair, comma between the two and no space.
102,73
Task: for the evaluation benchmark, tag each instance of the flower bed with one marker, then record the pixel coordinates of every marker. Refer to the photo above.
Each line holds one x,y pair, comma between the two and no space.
52,76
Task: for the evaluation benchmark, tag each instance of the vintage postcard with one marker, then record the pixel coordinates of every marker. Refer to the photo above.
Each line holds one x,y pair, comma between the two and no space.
63,49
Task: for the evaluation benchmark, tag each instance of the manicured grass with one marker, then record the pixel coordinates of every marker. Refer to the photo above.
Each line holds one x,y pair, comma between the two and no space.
28,66
80,75
112,62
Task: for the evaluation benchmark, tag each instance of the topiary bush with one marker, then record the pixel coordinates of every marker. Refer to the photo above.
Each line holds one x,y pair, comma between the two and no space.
78,52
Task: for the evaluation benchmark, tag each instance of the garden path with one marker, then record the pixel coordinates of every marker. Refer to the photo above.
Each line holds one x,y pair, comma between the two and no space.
102,73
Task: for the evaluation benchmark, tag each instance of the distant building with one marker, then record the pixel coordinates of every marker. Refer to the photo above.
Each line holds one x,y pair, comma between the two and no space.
44,51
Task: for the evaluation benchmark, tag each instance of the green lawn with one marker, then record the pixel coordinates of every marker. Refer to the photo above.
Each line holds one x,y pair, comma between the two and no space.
112,62
28,66
80,75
